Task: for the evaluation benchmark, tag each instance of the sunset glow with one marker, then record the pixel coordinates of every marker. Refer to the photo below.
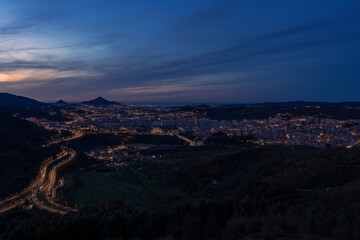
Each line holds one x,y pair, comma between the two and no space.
189,50
40,74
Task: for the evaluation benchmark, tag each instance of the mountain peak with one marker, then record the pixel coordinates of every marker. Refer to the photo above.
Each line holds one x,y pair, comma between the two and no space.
100,101
61,102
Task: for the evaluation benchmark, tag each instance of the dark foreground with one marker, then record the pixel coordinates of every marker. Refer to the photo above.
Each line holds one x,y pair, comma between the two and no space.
209,192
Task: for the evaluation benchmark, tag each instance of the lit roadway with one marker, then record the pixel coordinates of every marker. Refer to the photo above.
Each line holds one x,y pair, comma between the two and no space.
40,189
75,136
191,142
45,190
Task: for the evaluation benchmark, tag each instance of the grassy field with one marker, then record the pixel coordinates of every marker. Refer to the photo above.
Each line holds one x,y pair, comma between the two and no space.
125,186
158,184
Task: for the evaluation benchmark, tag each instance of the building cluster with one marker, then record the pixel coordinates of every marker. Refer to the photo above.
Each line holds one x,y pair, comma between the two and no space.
132,119
120,155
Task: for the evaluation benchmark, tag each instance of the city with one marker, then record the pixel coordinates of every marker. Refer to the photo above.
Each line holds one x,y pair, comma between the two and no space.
280,129
179,120
126,158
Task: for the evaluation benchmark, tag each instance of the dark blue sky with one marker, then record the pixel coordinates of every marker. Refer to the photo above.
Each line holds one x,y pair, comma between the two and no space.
181,50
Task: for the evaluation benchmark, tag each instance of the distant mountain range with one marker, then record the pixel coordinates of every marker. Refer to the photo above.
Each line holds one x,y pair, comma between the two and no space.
304,104
290,104
10,102
100,102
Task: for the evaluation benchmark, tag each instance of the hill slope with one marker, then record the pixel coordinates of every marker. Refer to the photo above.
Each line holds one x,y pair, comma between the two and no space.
20,152
26,107
13,101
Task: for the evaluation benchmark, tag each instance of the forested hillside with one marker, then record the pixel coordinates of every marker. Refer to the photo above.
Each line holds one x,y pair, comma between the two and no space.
20,152
273,192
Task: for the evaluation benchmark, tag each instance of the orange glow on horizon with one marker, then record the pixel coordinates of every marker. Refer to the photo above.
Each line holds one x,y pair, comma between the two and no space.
41,74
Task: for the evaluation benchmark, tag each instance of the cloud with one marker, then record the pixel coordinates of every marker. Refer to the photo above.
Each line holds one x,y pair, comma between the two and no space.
40,75
13,29
138,48
255,55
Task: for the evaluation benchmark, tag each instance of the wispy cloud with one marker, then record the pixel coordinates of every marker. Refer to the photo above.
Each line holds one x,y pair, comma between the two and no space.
40,74
137,49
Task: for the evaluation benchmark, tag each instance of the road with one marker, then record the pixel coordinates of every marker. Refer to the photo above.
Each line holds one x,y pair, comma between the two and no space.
42,186
356,144
39,178
49,187
61,183
75,136
191,142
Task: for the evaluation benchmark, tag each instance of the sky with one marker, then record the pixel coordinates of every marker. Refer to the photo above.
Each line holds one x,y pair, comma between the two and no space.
190,51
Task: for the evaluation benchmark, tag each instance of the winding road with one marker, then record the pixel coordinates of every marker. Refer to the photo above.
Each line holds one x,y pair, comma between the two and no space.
75,136
42,190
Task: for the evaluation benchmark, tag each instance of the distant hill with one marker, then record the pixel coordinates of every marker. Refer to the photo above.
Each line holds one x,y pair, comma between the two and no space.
240,112
26,107
100,102
61,103
20,152
304,104
8,100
